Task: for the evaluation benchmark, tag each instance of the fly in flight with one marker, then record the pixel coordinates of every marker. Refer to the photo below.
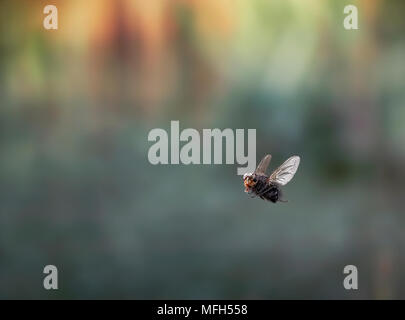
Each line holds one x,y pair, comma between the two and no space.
266,187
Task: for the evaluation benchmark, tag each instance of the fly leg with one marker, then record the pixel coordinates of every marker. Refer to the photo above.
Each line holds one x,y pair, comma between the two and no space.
250,194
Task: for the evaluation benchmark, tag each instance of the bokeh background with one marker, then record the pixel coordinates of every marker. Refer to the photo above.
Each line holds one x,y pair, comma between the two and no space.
77,190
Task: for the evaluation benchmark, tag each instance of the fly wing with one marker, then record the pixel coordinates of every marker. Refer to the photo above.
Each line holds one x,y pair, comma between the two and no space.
283,174
262,167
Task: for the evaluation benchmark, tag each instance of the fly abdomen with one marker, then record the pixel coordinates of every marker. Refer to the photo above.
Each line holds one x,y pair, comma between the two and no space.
273,194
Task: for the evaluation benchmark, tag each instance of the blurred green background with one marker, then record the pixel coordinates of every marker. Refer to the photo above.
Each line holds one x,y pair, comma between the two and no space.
77,190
